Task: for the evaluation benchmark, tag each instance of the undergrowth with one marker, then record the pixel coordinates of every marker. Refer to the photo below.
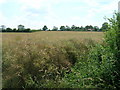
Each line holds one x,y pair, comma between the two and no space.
101,68
36,65
71,64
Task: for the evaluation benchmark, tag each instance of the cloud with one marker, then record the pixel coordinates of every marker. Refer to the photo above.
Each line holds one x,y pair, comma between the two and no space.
36,13
2,1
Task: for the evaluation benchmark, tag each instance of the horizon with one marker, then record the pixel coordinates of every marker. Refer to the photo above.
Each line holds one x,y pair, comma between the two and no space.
37,13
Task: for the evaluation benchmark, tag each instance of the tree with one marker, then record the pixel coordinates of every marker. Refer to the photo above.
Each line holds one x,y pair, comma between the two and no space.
89,27
14,30
67,28
96,28
62,28
9,30
104,26
73,27
44,28
82,28
21,28
27,30
3,28
55,28
86,27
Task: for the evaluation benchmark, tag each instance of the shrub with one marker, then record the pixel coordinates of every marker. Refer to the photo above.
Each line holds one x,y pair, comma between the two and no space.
113,45
101,67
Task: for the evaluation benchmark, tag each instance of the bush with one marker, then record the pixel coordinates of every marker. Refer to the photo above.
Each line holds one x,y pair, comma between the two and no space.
100,68
113,45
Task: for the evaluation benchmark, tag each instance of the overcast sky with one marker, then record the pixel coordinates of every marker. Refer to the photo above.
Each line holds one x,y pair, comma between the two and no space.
37,13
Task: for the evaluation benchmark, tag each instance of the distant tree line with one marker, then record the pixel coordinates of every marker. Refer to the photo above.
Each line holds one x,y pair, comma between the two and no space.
21,28
76,28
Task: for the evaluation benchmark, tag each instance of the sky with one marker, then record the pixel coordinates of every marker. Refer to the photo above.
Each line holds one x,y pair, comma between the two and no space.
35,14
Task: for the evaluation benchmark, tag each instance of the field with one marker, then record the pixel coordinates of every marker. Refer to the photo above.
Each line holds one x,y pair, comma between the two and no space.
62,59
43,56
51,36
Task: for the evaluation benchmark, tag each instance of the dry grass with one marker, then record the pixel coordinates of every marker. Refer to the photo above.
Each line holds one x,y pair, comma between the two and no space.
42,56
51,36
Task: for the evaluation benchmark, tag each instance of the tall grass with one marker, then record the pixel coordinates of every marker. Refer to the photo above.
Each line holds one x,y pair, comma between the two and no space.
57,60
31,64
69,63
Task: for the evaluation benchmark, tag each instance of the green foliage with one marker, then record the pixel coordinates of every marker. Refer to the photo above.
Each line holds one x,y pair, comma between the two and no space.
16,30
113,41
8,29
69,64
62,28
27,30
89,28
96,28
55,28
105,26
44,28
76,28
100,68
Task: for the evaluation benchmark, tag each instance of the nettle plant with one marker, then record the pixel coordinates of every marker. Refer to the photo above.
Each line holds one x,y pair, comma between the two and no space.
112,39
101,67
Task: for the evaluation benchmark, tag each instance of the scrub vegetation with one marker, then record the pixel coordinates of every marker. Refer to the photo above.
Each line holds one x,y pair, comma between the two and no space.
63,59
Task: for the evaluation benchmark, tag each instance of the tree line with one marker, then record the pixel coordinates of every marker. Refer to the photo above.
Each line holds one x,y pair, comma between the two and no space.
21,28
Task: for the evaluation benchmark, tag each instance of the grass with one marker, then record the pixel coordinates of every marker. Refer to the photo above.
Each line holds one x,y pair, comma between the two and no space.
62,59
55,36
41,59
